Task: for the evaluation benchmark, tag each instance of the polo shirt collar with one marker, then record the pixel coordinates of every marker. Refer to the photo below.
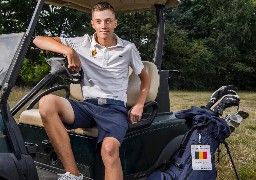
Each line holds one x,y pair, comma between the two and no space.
118,44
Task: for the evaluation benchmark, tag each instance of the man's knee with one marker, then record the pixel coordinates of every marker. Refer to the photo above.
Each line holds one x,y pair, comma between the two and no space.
47,105
110,150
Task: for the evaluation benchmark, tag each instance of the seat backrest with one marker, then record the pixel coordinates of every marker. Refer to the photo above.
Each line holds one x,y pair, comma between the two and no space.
76,91
133,85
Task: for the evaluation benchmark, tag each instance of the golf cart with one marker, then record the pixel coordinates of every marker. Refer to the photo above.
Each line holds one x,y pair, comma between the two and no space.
148,145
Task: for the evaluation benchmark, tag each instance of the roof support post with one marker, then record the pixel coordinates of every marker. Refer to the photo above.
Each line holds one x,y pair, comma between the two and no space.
160,36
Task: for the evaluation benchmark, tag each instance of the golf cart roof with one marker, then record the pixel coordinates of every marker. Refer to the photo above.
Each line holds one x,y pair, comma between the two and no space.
119,5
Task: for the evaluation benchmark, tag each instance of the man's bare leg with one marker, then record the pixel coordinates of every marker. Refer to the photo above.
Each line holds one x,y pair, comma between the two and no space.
110,156
54,110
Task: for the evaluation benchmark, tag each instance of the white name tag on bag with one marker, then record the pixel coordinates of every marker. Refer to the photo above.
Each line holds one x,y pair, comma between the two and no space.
201,157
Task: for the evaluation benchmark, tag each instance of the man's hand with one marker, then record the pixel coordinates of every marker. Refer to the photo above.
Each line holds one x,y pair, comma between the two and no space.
74,62
54,44
135,113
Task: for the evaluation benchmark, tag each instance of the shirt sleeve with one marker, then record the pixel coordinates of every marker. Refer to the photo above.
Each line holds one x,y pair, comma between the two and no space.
74,43
136,63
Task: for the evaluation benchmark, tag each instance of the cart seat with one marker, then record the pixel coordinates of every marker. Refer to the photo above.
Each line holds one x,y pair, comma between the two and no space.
32,116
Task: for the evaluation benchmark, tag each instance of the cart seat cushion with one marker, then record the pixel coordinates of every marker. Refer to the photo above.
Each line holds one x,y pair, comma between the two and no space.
32,117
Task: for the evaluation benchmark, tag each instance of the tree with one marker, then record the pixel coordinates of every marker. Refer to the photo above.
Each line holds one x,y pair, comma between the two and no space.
192,58
139,28
15,15
227,30
61,21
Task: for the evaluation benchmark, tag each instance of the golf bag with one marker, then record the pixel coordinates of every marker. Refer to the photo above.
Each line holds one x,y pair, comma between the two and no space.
195,157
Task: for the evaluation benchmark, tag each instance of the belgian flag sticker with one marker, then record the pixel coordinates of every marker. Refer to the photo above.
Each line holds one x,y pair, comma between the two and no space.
201,157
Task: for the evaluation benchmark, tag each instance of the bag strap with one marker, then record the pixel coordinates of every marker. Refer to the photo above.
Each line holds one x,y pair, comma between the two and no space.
186,137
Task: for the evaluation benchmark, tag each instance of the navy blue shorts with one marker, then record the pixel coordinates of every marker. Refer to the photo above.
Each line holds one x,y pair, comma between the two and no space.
110,120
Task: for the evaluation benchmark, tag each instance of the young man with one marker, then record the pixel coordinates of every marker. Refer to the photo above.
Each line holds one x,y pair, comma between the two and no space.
105,59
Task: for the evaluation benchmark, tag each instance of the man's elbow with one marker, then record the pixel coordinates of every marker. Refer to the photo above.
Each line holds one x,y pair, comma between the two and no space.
37,40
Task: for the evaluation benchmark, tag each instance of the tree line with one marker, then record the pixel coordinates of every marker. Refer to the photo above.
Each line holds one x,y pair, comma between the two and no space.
211,42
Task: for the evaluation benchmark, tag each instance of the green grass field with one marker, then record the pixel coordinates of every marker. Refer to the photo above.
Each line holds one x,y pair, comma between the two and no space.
241,142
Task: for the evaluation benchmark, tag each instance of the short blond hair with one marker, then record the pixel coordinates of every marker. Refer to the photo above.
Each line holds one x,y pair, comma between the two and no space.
101,6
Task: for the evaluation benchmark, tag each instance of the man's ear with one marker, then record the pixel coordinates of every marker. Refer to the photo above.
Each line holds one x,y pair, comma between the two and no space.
116,23
92,23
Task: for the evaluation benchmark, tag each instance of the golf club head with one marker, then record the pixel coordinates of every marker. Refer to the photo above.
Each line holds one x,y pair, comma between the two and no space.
243,114
234,120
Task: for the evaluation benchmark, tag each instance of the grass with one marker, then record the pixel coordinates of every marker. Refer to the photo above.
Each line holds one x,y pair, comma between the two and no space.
241,141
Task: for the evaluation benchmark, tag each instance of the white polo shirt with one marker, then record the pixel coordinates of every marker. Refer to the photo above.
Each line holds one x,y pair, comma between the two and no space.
106,70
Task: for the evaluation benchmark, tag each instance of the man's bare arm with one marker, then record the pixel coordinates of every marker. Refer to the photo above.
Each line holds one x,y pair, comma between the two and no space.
54,44
137,109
